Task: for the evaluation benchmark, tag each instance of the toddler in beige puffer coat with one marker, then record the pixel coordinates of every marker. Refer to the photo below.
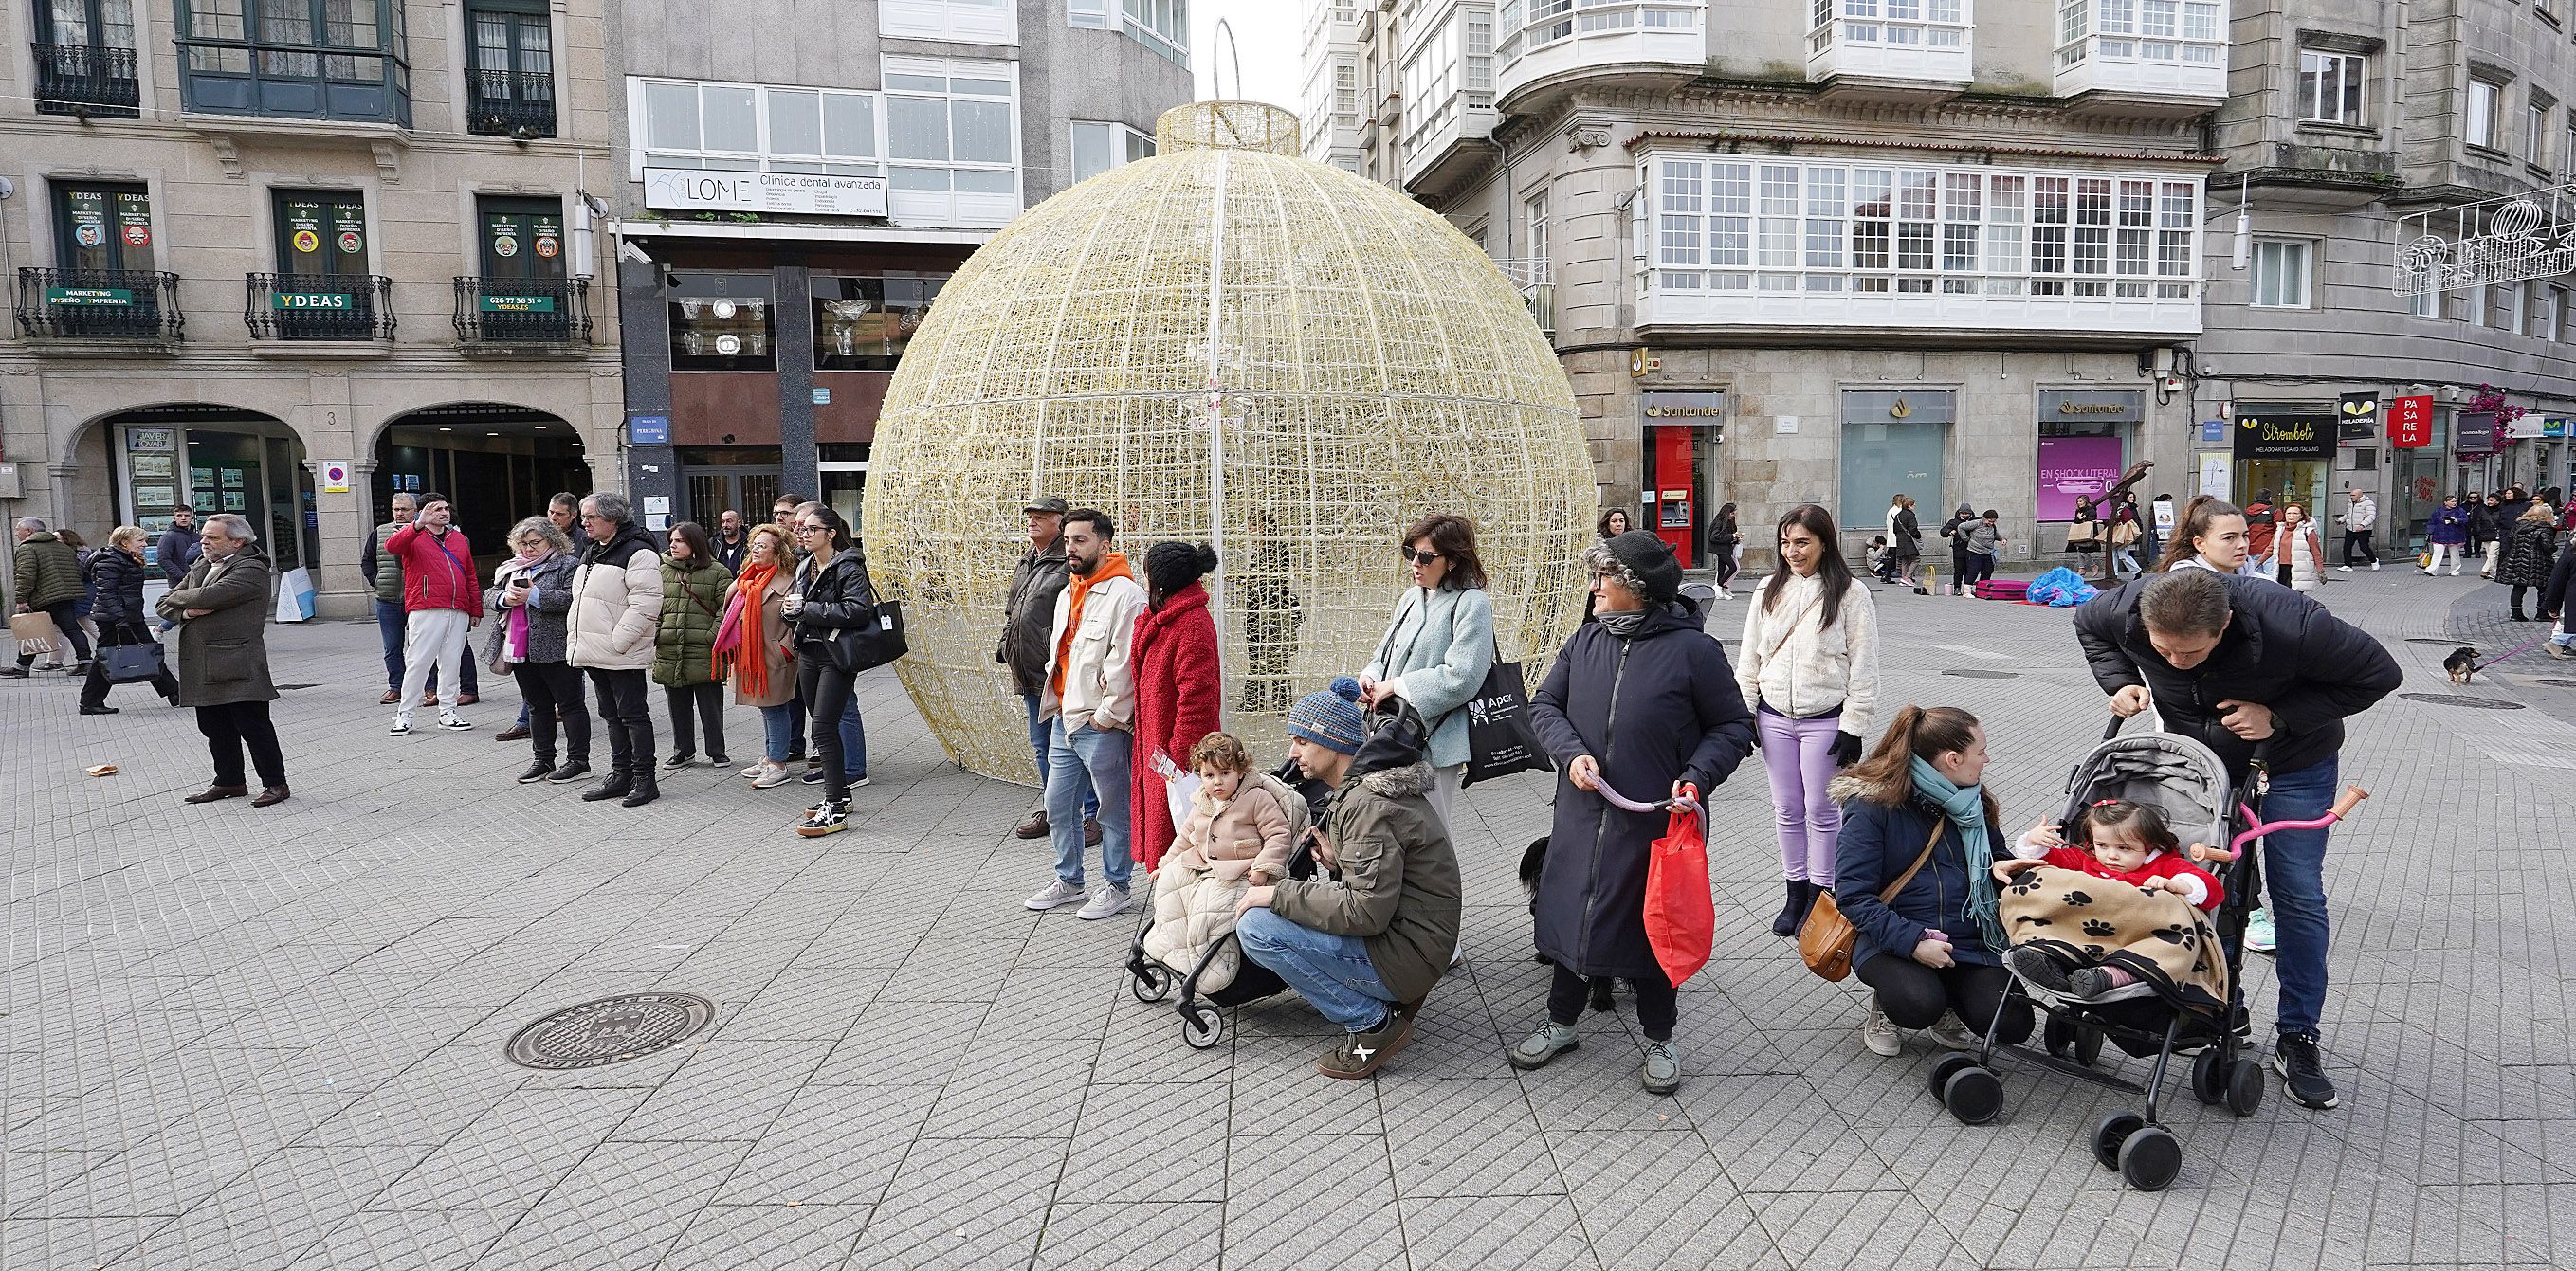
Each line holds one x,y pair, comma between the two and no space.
1241,830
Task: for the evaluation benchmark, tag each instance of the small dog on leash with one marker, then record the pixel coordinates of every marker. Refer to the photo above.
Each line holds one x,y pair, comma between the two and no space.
2462,664
1533,863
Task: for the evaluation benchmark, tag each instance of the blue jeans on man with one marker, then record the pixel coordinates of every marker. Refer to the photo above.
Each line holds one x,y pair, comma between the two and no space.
1332,972
1088,761
2294,884
1041,734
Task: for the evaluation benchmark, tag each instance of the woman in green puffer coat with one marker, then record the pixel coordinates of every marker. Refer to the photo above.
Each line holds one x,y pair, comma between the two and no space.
694,586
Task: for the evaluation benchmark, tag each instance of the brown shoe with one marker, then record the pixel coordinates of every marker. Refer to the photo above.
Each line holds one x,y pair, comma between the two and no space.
217,792
273,794
1033,828
1362,1054
429,699
468,699
392,695
1090,832
515,732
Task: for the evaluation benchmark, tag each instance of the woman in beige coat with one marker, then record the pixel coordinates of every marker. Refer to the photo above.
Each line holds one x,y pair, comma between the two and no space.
616,605
759,648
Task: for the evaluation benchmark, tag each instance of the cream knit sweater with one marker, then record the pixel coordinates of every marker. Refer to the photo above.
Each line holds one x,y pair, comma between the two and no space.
1801,668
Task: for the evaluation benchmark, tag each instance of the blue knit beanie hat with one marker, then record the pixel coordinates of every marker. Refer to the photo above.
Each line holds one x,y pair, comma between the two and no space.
1330,718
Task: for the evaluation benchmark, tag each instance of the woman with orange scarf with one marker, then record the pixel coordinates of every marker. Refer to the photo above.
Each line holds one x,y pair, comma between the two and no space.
757,644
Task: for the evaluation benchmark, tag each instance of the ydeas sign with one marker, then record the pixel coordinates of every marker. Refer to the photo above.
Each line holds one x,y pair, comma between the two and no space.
2284,436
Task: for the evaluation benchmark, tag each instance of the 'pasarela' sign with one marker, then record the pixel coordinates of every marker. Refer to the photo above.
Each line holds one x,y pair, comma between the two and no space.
795,193
2285,436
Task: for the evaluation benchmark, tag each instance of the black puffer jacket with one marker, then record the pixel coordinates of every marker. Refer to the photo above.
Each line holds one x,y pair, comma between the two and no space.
1651,709
2280,649
119,578
839,600
2530,550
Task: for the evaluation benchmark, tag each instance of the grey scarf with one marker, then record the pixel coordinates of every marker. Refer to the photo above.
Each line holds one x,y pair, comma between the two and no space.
1623,624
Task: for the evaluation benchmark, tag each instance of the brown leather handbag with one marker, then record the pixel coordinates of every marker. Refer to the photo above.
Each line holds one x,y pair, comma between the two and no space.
1826,938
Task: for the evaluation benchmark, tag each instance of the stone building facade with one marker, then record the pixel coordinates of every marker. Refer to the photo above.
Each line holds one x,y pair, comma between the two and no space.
289,266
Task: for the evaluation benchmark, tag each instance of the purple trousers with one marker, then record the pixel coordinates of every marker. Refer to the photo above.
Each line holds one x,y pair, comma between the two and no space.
1798,753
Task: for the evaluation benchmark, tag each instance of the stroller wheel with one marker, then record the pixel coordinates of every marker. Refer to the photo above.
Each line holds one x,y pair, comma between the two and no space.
2110,1132
1973,1095
2209,1073
1202,1029
2057,1035
2245,1084
1946,1067
1150,983
2150,1158
2088,1044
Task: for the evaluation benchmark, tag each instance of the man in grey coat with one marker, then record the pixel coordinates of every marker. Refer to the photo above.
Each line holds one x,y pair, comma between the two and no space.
222,606
1028,615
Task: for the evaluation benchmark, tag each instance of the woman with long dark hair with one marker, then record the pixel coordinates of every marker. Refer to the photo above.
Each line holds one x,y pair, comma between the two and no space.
830,600
1439,646
1934,950
1725,549
2212,534
1611,524
695,590
1809,667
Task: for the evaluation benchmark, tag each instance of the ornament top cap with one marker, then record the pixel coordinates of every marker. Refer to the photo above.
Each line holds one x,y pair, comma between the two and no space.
1227,125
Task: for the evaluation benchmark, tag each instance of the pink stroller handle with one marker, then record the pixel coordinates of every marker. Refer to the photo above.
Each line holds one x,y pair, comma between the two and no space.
2343,806
1689,801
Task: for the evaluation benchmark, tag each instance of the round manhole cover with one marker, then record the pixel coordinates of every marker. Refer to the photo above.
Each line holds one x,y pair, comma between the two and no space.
2458,699
610,1030
2449,640
1980,673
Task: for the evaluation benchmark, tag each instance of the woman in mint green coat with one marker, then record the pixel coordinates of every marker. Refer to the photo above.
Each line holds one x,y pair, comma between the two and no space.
1440,646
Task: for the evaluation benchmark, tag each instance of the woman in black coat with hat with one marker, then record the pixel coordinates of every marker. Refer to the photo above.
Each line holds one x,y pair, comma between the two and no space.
1640,701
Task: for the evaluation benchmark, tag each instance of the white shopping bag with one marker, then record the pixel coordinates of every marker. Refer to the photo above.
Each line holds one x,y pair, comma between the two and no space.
1178,788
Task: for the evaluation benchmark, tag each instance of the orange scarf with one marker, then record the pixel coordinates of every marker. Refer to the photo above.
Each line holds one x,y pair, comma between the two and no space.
1113,565
751,653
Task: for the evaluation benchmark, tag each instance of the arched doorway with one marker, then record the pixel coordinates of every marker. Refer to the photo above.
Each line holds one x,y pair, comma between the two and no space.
498,463
214,459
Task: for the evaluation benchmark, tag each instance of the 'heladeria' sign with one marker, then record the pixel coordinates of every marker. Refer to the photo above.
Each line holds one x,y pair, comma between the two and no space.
2285,436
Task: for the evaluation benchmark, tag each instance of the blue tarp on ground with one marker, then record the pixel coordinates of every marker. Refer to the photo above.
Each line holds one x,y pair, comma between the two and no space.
2061,588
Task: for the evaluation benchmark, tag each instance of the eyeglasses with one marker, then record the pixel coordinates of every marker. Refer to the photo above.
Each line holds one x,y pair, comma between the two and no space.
1611,575
1418,558
810,529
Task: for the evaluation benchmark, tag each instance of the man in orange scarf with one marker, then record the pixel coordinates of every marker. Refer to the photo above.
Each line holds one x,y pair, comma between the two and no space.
1090,699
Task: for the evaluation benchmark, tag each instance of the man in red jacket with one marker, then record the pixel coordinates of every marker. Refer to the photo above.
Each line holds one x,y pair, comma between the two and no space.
441,603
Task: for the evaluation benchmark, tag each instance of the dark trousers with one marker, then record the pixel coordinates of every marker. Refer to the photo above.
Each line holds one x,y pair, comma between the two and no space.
554,690
826,693
706,702
622,715
66,620
1914,995
390,621
796,720
230,727
1658,1006
113,635
2357,549
1727,569
2518,592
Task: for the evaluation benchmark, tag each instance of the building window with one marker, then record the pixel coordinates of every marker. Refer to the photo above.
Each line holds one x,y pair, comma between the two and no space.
689,124
2330,87
2477,305
102,229
1901,23
1090,14
2512,308
2280,274
1893,443
1098,147
510,74
2544,313
313,59
721,321
952,141
85,58
2424,304
2484,98
1534,213
863,323
2166,32
978,21
1160,25
2535,133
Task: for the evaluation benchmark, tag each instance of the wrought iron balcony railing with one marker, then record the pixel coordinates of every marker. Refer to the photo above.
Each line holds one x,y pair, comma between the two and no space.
320,307
99,304
86,80
522,312
518,104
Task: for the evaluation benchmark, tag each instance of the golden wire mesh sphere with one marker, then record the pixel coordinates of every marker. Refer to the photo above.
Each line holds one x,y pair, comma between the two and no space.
1223,343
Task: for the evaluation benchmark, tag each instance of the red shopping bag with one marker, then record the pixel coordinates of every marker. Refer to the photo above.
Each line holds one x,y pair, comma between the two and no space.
1681,921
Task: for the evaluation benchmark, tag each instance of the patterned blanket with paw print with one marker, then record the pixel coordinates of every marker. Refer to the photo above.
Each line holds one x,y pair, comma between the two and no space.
2156,936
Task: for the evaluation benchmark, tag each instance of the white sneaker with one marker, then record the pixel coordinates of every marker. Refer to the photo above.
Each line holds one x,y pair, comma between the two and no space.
2344,568
769,775
1881,1034
1107,902
2374,565
452,721
753,772
1952,1033
1057,895
401,728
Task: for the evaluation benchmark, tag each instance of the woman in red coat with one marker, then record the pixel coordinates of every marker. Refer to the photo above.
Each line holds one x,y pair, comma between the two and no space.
1177,693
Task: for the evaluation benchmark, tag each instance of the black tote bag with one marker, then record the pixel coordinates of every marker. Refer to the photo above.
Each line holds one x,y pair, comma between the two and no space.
136,663
1500,741
855,650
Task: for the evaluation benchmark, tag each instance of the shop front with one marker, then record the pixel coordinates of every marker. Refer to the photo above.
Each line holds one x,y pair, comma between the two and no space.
215,459
1894,443
1683,433
2419,438
2086,439
2284,450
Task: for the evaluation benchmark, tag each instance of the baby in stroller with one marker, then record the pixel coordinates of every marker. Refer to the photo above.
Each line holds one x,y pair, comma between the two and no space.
2114,840
1240,832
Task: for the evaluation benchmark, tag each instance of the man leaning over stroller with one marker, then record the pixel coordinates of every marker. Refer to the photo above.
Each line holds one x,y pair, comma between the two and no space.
1367,948
2233,662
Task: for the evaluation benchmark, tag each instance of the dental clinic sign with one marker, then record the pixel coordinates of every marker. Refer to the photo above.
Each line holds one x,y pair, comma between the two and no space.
789,193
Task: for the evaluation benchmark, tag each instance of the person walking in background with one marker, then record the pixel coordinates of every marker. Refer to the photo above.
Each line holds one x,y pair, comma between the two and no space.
1091,701
2360,514
2151,534
531,595
88,557
49,582
2300,551
694,589
120,571
831,601
1955,530
1725,549
1027,610
384,573
730,544
2530,552
616,608
2487,528
441,603
1809,665
758,646
1180,692
2124,536
2448,534
1440,645
2260,527
177,552
222,608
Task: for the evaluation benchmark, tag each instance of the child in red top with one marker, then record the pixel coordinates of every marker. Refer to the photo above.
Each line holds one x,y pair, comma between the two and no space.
2125,842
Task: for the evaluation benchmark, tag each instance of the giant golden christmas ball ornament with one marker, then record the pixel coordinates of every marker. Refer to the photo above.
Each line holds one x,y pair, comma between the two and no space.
1226,343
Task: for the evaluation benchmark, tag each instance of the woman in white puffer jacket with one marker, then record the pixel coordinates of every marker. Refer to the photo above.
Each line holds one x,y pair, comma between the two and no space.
1809,669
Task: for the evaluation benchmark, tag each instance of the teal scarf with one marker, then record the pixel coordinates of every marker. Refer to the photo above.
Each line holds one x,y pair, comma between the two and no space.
1966,808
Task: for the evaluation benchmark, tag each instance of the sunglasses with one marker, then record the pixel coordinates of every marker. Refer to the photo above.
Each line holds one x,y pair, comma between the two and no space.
1418,558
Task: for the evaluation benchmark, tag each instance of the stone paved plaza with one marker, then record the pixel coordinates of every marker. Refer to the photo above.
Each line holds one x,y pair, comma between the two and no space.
243,1039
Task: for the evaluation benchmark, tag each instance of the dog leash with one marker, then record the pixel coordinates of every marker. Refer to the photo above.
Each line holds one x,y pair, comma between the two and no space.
2524,647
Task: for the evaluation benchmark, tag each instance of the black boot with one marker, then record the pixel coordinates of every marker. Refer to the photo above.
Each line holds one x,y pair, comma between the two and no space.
1793,909
645,790
616,785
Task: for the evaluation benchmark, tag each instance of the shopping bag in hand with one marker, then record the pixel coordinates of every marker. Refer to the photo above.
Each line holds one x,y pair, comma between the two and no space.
1681,921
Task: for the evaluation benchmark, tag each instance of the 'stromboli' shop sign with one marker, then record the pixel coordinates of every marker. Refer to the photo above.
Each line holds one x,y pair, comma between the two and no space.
2285,436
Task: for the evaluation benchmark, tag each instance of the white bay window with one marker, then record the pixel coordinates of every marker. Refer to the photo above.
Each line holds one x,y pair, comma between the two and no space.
952,141
2150,46
1919,39
1098,147
754,127
978,21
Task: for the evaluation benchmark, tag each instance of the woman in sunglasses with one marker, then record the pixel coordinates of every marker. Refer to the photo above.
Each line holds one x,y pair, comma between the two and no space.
1440,646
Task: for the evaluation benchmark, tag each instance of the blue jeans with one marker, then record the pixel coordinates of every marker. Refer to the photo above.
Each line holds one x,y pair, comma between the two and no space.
2294,864
1333,972
390,621
1040,731
1088,761
778,724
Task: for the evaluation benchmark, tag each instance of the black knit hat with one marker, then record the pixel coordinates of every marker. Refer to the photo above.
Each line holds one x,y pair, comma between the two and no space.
1647,561
1171,566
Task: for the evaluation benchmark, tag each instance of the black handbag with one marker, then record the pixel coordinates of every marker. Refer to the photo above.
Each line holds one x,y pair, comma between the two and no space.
857,649
1499,739
137,663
